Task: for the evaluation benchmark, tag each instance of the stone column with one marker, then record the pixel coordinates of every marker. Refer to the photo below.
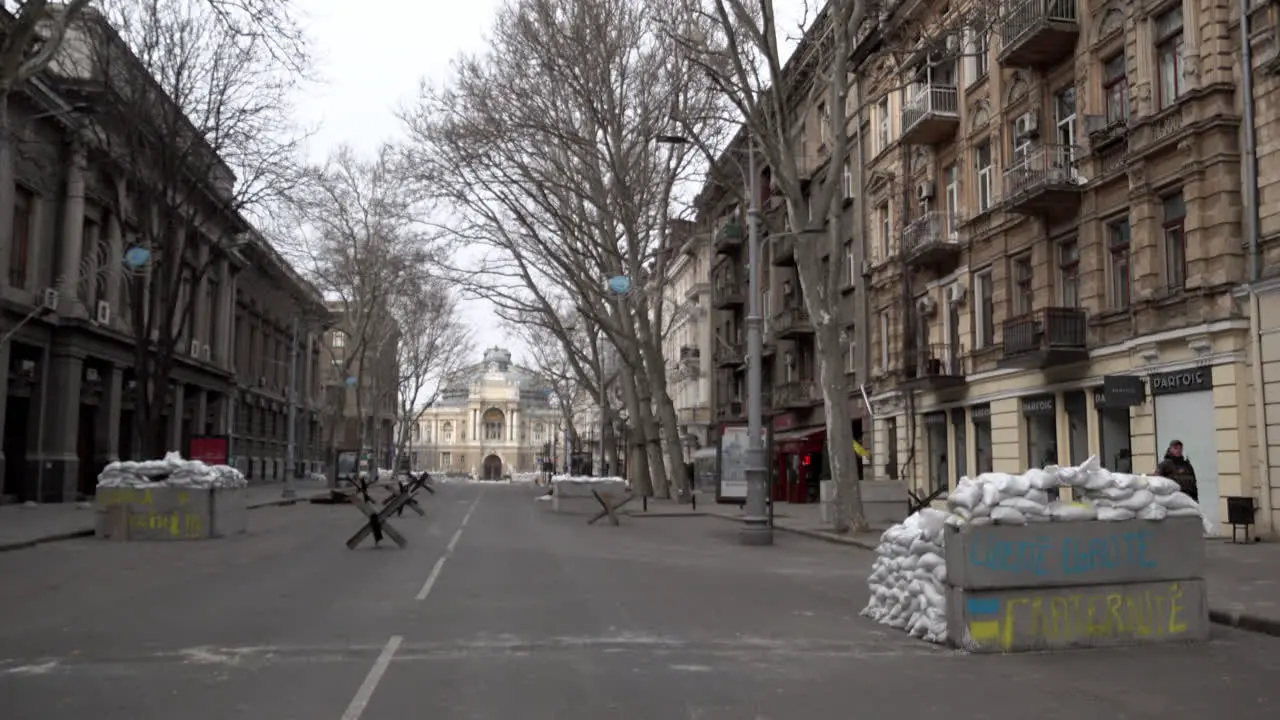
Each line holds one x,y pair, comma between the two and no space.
115,267
55,468
515,425
201,322
72,241
107,424
200,424
175,417
224,316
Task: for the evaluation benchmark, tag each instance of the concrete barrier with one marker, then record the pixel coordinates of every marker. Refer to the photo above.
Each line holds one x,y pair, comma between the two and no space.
1053,618
1049,586
169,513
884,502
570,489
1064,554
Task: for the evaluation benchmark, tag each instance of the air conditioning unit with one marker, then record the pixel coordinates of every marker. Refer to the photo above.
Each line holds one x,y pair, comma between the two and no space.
50,299
1094,124
927,305
1026,125
924,191
195,348
103,313
955,293
91,375
206,353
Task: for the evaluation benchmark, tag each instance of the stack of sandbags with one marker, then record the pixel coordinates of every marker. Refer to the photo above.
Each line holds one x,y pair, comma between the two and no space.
1100,494
172,471
908,577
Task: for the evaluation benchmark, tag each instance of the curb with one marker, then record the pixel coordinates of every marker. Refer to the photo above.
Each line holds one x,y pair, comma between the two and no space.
692,513
814,534
89,532
1247,622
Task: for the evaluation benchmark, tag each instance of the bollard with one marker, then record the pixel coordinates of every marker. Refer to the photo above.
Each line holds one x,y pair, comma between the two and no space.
695,502
645,500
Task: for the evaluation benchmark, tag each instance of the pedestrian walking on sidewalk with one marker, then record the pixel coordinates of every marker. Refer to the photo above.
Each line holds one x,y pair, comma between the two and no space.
1177,468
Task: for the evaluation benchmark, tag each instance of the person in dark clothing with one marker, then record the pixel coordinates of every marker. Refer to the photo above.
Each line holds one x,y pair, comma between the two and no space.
1178,468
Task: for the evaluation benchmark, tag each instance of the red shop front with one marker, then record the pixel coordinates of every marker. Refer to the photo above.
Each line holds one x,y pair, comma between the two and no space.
798,462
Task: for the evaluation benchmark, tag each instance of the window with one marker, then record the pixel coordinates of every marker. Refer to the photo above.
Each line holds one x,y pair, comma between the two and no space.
851,358
891,452
985,171
1175,241
1115,90
1019,145
951,195
767,307
884,224
1168,37
20,245
1118,245
1064,113
982,53
885,120
446,460
884,339
1023,290
446,432
824,122
1069,272
847,178
851,267
339,339
984,310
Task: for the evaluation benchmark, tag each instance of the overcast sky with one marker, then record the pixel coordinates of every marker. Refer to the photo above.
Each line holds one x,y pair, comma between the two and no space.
371,62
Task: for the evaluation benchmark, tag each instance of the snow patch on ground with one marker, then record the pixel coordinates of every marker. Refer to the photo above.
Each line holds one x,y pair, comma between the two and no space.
43,668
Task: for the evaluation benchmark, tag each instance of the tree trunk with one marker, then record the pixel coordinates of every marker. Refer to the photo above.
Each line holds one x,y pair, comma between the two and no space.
609,442
642,482
656,369
835,394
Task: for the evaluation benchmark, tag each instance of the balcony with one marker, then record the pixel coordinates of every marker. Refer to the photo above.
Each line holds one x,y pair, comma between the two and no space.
784,251
1038,33
1045,338
693,415
728,292
792,322
798,394
729,355
932,239
936,367
729,411
932,116
729,237
1044,181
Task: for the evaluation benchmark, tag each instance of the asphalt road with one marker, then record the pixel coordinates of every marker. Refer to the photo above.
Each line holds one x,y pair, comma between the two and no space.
534,615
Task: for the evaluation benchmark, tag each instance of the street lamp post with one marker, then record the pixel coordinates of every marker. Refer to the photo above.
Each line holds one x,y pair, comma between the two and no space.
755,522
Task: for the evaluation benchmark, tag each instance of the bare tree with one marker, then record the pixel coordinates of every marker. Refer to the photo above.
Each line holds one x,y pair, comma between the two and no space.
189,122
434,345
738,43
354,227
545,144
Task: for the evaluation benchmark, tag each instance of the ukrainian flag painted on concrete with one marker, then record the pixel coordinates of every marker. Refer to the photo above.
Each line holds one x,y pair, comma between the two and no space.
984,619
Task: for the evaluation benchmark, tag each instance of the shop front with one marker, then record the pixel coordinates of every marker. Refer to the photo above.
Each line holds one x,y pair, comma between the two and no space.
798,460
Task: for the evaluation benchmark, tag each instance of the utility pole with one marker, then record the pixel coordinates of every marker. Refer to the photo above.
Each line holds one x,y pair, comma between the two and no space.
291,450
756,529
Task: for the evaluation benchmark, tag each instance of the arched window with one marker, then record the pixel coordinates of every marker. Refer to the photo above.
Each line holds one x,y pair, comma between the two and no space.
494,424
539,432
446,432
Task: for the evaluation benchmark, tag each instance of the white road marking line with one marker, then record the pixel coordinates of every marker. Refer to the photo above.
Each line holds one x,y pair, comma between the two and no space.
365,693
453,543
431,579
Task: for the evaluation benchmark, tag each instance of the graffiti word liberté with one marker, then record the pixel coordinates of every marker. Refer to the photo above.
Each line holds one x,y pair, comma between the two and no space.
1074,556
1072,616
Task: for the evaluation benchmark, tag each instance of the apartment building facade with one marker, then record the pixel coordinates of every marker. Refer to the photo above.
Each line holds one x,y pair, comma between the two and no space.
687,338
68,401
1053,219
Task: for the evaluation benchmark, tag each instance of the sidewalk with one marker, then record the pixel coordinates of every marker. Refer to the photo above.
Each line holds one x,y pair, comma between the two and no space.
23,527
1244,580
